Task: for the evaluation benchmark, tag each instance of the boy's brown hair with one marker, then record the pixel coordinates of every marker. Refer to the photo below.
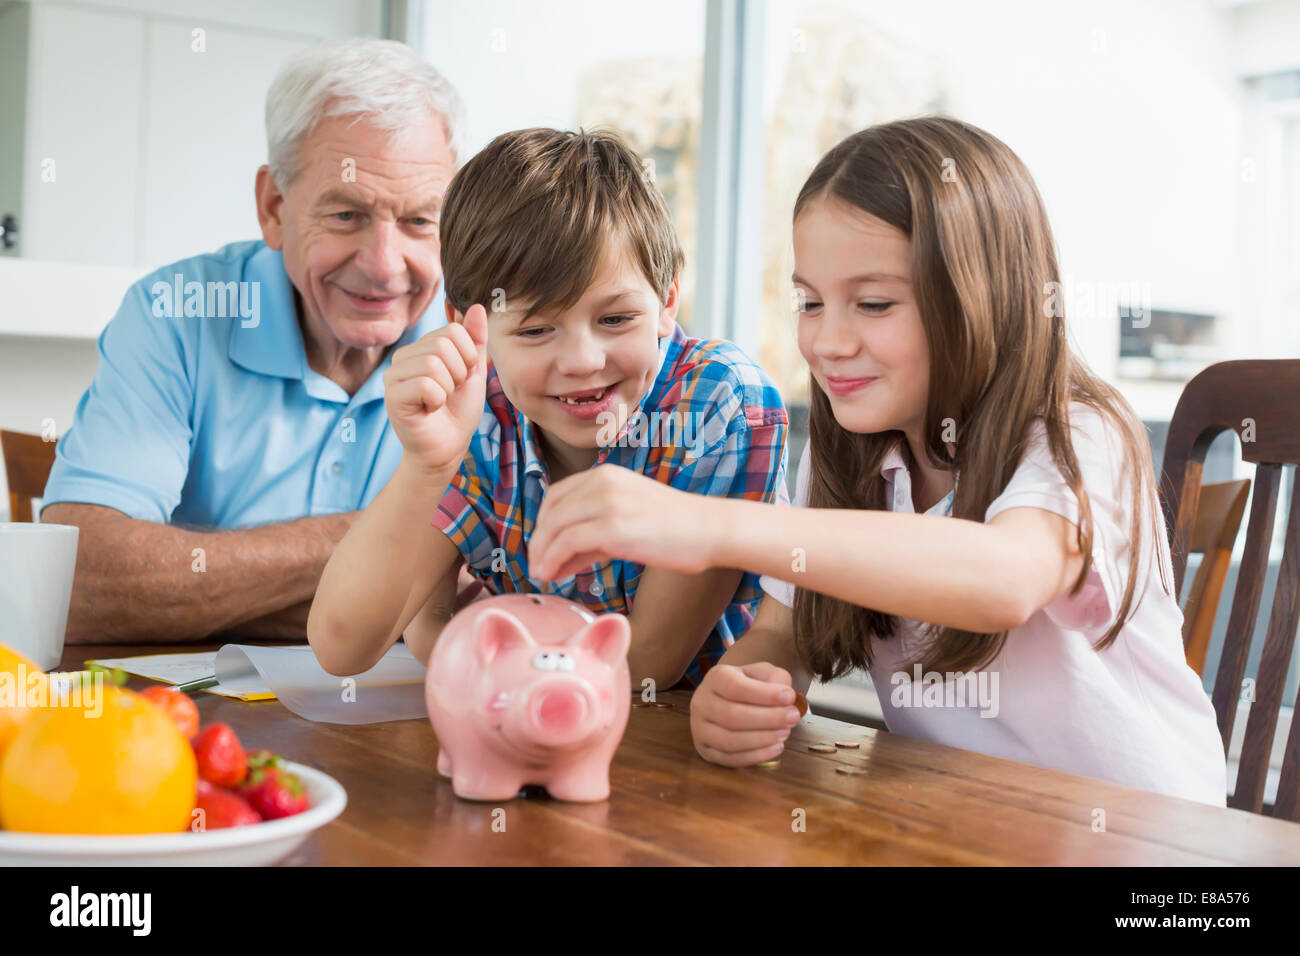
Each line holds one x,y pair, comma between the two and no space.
532,213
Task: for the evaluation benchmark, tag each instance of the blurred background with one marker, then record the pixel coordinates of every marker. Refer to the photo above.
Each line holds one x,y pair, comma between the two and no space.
1163,134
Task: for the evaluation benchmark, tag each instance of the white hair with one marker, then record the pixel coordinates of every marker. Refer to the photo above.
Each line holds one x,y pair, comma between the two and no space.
385,81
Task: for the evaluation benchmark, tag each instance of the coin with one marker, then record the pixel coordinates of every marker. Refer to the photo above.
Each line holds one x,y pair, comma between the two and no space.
661,704
801,702
847,744
769,764
853,771
822,748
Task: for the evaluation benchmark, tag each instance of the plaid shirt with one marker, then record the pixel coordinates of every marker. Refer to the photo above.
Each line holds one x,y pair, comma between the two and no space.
727,438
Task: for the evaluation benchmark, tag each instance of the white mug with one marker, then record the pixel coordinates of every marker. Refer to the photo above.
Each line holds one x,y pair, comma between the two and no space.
36,566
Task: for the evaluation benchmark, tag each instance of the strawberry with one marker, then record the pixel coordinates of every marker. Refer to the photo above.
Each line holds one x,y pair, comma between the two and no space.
222,808
272,790
183,711
263,758
220,756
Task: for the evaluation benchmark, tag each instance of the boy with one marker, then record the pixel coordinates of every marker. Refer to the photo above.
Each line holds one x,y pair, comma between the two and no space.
562,353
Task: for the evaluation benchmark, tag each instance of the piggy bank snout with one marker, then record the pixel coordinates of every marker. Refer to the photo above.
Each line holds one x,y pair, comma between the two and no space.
562,711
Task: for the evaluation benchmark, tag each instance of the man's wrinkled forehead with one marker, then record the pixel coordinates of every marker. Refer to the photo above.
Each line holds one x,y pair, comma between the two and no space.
345,151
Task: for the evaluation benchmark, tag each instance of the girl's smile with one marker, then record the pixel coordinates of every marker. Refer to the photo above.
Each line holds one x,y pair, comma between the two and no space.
847,386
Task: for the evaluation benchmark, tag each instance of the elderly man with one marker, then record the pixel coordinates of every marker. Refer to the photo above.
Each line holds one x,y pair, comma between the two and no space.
236,423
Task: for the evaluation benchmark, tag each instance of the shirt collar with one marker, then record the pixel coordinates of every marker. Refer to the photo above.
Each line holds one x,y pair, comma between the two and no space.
274,345
893,463
899,483
533,461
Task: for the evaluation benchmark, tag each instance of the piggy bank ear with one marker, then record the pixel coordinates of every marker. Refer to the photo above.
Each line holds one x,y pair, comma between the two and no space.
608,637
496,631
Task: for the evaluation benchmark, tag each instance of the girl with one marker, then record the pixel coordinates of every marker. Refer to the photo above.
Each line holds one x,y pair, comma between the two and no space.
976,521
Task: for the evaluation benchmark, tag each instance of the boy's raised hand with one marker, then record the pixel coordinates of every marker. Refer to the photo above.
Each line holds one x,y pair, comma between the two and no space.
434,391
742,715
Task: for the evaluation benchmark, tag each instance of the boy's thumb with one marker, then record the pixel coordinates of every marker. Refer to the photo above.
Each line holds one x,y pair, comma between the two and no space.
476,324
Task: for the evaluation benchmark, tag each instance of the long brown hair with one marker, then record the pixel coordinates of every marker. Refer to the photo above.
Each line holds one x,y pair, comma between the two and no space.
983,265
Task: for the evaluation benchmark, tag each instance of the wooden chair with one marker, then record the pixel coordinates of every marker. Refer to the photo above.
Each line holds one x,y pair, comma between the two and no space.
1258,400
1218,519
28,460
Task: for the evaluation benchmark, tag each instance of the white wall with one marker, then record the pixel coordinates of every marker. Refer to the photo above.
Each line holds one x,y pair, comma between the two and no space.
1266,36
151,117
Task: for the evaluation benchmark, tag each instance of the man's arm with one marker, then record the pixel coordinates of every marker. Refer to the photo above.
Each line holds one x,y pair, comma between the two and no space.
671,618
142,582
287,624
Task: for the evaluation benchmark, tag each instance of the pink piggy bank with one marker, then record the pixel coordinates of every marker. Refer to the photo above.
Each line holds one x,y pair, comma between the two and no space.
529,689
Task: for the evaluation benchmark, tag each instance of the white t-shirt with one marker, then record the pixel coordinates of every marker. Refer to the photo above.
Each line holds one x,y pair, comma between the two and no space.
1134,713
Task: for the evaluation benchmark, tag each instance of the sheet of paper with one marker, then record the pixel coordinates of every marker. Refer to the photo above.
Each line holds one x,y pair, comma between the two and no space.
182,668
391,690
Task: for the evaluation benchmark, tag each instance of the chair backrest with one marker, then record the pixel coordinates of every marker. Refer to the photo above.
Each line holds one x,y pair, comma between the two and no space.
28,460
1218,519
1259,401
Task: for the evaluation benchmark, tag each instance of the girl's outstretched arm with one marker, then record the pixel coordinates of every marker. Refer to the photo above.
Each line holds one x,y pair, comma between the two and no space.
982,577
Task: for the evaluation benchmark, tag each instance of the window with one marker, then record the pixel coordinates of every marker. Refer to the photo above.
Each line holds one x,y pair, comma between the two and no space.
582,64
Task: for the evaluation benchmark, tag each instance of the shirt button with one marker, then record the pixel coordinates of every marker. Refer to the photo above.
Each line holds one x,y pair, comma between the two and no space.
596,589
336,468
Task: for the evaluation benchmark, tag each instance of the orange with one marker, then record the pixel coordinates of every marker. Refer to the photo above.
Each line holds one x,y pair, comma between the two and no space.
15,671
108,763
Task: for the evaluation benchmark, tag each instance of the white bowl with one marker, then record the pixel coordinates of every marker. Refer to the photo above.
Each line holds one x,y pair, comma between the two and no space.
257,844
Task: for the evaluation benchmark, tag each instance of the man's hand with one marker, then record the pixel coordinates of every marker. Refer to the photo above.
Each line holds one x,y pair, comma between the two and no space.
434,392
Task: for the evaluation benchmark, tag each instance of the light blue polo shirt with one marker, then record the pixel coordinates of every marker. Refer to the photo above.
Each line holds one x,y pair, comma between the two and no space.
203,411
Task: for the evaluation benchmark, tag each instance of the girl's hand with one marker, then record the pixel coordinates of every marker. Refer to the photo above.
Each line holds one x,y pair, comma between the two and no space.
434,391
613,512
741,716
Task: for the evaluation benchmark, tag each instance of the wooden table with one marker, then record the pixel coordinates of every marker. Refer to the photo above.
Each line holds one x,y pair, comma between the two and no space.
918,802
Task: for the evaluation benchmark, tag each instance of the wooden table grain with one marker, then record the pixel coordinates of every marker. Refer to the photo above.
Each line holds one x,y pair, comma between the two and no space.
918,803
